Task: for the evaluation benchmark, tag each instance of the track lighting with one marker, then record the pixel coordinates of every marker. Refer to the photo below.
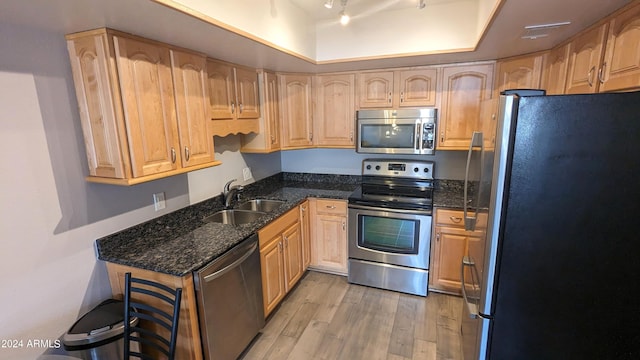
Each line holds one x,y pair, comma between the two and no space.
344,18
328,4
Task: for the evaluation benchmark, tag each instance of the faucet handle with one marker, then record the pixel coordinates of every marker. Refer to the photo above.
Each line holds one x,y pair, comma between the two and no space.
228,184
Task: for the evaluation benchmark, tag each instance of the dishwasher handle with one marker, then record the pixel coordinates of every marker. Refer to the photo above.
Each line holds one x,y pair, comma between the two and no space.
233,265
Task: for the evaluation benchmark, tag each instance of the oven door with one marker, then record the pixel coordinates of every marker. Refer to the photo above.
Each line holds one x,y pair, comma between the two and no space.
390,236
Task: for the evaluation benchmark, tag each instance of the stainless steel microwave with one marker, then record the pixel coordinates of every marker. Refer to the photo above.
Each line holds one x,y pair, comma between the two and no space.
400,131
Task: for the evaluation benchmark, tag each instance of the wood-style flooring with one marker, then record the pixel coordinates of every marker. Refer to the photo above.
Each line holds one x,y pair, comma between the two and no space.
325,317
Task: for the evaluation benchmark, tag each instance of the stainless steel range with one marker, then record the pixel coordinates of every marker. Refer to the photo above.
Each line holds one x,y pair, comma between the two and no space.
390,225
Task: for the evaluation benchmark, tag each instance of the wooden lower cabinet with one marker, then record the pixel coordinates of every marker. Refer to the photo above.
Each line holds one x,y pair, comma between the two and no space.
281,259
449,244
305,234
189,345
329,235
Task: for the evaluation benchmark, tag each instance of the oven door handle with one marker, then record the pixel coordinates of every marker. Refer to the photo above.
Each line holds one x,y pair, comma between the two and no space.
401,211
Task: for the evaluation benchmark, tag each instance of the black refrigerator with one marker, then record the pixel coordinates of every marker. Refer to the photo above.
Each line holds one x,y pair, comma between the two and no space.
560,274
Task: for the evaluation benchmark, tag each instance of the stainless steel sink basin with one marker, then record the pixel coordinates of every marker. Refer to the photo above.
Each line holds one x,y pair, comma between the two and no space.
234,217
265,205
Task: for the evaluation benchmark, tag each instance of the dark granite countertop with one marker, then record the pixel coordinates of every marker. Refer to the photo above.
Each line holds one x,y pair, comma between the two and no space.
181,242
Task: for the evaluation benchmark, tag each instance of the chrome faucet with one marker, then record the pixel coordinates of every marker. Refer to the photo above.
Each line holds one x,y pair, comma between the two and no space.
229,191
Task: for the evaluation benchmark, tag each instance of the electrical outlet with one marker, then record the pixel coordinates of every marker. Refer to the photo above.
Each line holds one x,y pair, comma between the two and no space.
158,201
246,174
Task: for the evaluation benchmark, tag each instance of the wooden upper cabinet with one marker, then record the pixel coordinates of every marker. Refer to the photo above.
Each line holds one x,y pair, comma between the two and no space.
554,77
94,79
399,88
247,93
465,90
295,111
523,72
268,138
375,89
585,57
142,110
621,66
335,111
233,96
417,87
146,84
190,79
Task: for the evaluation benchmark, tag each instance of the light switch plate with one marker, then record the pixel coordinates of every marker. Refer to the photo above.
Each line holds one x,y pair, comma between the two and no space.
246,174
158,201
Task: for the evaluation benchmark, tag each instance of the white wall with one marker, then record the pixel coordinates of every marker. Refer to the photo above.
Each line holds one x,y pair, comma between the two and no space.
276,21
441,26
49,215
448,164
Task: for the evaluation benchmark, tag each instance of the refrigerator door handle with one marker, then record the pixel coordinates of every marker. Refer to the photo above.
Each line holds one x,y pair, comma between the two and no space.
476,141
471,307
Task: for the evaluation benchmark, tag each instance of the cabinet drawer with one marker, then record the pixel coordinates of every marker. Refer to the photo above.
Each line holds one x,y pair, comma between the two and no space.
331,207
455,218
277,226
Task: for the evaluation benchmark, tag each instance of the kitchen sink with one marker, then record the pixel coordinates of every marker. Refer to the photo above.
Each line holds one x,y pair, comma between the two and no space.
265,205
234,217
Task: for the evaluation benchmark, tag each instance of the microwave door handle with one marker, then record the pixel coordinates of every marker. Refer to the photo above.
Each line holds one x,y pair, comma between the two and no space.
470,222
418,137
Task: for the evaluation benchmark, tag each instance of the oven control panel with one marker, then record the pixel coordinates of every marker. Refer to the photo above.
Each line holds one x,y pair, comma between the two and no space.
415,169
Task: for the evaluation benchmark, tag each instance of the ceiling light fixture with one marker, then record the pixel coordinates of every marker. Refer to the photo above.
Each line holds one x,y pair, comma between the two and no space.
328,4
421,4
344,18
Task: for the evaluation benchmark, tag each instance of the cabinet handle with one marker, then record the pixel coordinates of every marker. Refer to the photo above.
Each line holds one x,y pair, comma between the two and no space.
438,237
455,219
442,137
590,75
279,247
241,107
344,226
331,206
351,136
303,208
273,139
389,97
187,155
233,107
173,155
286,241
402,96
601,72
311,136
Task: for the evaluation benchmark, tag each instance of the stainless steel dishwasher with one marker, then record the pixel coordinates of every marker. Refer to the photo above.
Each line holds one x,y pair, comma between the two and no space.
229,296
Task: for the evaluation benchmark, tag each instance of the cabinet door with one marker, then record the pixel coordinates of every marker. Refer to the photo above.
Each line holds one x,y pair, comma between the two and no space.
272,267
295,108
519,73
272,111
375,89
417,87
146,84
335,111
90,64
621,67
293,267
330,243
304,234
190,79
221,90
449,247
555,73
464,90
246,82
585,56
